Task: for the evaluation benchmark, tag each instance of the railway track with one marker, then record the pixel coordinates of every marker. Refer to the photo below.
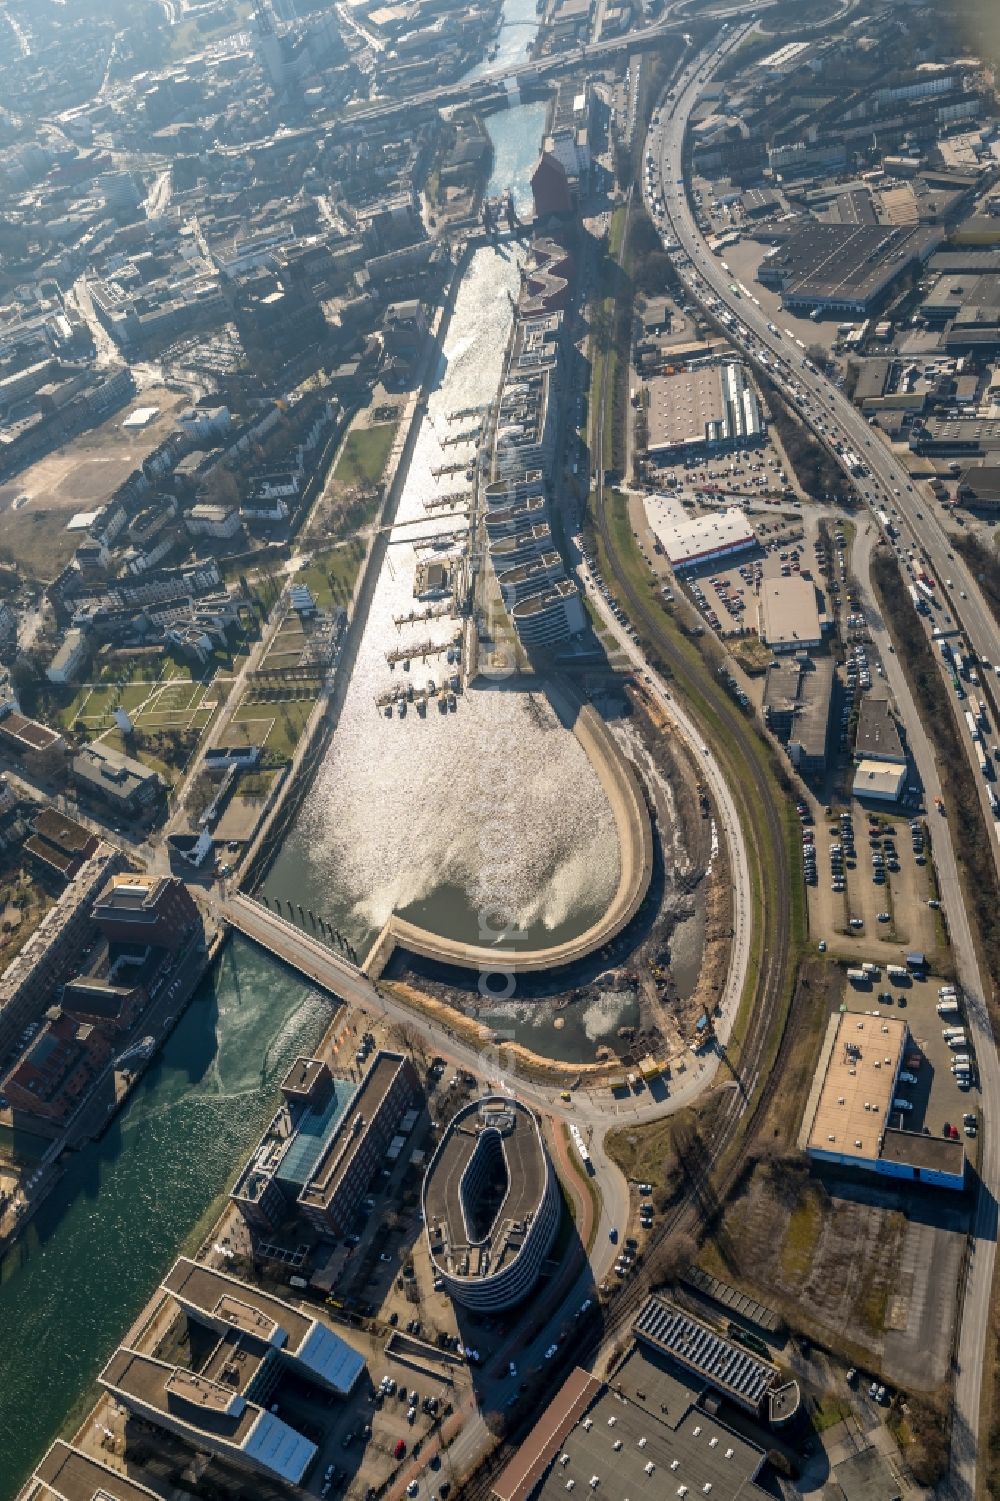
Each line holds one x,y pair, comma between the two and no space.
712,1178
760,813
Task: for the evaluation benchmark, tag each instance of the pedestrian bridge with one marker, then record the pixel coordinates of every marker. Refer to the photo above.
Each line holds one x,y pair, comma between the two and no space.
310,956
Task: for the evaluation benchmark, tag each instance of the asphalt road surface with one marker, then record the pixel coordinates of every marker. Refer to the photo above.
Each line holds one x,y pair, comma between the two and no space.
888,486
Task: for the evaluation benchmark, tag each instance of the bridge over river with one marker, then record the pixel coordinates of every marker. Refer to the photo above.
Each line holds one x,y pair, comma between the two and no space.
635,841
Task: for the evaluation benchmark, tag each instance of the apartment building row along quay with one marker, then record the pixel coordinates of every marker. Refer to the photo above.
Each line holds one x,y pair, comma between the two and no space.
544,606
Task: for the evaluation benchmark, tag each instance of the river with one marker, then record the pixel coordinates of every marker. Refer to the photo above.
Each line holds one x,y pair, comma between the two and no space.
443,817
127,1203
396,818
518,29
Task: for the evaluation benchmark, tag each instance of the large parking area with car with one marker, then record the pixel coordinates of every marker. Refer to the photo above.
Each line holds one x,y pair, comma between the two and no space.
369,1439
936,1094
870,880
725,591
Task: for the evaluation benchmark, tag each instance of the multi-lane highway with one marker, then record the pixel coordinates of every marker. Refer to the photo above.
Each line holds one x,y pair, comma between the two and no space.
921,543
889,487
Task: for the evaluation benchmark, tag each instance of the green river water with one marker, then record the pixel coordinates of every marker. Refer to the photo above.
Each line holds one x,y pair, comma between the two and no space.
129,1202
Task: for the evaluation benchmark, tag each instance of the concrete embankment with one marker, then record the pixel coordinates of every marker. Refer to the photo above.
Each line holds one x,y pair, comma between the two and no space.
635,844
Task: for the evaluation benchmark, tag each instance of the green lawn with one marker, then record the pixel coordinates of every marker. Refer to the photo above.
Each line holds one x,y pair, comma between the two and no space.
285,717
363,456
332,574
803,1232
187,36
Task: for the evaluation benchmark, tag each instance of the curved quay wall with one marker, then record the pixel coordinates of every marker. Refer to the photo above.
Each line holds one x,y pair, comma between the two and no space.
503,1289
635,844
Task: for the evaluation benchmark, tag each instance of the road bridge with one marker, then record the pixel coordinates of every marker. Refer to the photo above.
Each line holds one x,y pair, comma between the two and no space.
297,948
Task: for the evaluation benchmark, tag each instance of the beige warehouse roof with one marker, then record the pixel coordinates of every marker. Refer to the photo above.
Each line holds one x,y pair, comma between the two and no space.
857,1090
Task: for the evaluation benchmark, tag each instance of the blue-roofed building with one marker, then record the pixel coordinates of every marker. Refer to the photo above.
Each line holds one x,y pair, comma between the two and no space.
221,1401
262,1323
325,1357
301,1130
313,1131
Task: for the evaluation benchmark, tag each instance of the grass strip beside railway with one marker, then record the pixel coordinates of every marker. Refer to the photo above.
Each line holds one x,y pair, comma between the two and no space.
741,756
587,1183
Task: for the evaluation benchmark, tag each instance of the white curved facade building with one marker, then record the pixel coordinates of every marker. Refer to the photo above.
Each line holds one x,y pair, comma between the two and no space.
491,1204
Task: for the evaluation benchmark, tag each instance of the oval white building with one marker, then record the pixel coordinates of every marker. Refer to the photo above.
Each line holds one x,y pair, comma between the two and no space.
491,1204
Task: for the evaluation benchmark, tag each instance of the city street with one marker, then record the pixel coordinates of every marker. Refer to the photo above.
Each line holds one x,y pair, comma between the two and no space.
708,283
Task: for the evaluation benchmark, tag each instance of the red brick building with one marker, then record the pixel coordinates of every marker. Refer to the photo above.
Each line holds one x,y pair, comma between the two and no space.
155,910
38,748
60,844
114,1008
58,1069
551,188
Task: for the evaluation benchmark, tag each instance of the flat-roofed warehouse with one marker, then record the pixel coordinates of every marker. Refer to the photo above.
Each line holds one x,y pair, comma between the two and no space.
491,1204
844,268
701,539
979,485
788,614
798,695
848,1115
957,435
705,409
640,1435
706,1355
877,737
879,781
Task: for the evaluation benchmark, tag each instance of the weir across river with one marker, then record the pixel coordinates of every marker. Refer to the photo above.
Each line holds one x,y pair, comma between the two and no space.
313,958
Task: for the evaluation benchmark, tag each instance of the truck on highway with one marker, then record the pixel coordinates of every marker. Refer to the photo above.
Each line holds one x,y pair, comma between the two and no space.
971,725
922,608
985,764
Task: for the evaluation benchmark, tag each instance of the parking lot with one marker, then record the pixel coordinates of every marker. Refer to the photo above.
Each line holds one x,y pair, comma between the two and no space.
927,1081
726,597
869,881
368,1439
755,474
